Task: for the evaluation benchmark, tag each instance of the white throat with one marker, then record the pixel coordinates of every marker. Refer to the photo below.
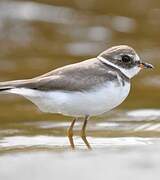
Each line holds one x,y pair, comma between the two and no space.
128,72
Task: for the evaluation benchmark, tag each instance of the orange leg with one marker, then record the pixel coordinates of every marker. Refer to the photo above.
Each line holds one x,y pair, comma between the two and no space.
83,132
70,133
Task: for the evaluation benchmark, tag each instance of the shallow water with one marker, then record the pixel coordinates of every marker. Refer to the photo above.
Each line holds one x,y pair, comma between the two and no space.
38,36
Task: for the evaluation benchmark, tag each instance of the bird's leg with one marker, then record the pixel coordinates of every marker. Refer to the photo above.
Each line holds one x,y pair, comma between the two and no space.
83,132
70,133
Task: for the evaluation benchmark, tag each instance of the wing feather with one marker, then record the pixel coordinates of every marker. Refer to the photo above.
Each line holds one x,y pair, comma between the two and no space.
76,77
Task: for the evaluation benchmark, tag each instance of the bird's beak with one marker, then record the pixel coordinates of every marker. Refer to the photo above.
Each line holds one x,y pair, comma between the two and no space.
143,65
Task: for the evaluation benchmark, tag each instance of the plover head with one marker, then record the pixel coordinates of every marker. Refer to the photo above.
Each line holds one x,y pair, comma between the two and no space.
125,59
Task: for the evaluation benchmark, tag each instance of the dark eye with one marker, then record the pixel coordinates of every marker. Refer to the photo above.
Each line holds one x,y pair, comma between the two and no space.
126,58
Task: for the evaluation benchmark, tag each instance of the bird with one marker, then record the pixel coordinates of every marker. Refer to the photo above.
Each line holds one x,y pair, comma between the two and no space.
84,89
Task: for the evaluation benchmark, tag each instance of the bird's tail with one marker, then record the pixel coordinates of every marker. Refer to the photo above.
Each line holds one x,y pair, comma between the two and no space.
7,85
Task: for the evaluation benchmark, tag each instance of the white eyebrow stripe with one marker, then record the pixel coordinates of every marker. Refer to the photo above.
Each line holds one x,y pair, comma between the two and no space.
107,62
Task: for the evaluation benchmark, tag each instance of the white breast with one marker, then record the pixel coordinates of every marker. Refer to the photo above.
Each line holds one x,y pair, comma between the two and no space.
93,102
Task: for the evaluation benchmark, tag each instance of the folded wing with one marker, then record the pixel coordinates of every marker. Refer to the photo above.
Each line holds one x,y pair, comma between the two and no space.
76,77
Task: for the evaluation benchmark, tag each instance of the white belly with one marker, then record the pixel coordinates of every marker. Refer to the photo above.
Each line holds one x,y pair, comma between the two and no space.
94,102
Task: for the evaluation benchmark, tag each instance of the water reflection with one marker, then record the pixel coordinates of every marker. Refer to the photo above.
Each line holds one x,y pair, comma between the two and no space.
137,127
20,142
145,113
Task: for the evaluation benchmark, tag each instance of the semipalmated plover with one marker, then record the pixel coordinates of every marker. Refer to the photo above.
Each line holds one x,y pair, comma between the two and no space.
83,89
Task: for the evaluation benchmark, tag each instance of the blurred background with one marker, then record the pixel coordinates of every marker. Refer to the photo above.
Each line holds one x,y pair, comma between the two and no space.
37,36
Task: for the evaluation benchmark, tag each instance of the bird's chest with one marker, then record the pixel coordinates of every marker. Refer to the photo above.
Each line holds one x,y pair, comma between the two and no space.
114,94
98,100
110,96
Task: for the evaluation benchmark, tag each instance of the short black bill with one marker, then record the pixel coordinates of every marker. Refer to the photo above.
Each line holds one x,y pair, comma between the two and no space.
145,65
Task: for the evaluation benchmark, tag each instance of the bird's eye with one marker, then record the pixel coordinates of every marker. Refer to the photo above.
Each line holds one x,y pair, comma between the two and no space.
126,58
